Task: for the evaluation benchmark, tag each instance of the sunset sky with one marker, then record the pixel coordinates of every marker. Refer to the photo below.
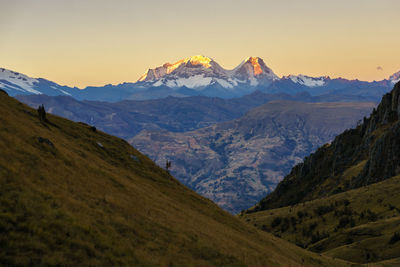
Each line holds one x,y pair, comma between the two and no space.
80,43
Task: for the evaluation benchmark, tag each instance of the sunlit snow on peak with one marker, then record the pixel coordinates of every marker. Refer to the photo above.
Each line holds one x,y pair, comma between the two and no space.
307,81
256,65
200,60
395,77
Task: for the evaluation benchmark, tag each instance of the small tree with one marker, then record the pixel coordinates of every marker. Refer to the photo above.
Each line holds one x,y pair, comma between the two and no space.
42,113
168,165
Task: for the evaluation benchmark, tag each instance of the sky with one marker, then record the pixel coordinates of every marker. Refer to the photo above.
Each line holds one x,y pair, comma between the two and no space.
88,42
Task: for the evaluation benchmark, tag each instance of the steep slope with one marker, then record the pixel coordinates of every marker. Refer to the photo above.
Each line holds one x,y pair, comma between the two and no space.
71,195
366,154
360,225
236,163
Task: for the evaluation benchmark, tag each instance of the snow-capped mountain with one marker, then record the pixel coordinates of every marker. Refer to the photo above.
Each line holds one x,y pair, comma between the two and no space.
12,80
307,80
254,72
197,72
15,83
395,77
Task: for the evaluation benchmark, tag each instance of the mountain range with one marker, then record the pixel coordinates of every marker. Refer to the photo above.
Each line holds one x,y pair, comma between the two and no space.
202,76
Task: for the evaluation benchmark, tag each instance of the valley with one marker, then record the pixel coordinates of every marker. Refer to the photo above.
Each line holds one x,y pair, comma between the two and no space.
238,162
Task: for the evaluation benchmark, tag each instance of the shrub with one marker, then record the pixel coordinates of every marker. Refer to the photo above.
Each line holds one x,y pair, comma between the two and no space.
349,240
321,210
42,113
300,214
318,236
276,222
395,238
371,216
285,225
346,220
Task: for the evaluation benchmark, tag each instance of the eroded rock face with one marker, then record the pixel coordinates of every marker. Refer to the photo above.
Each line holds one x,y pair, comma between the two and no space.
384,152
236,163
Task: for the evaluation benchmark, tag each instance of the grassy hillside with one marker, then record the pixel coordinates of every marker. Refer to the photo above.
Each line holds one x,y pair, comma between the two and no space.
361,225
70,195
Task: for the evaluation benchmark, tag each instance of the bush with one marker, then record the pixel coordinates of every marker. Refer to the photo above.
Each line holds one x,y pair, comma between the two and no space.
308,229
349,240
318,236
346,220
371,216
300,214
345,211
321,210
42,113
395,238
276,222
285,225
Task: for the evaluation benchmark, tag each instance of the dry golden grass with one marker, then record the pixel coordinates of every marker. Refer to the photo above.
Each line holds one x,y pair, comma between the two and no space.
356,225
91,199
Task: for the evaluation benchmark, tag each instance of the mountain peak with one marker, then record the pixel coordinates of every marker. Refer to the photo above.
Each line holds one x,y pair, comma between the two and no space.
395,77
20,81
308,80
200,71
253,69
199,60
167,68
255,63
